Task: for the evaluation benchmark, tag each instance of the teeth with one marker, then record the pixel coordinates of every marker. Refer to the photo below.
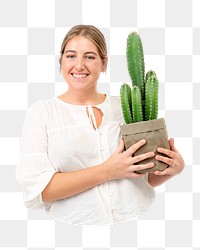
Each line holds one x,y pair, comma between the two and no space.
79,75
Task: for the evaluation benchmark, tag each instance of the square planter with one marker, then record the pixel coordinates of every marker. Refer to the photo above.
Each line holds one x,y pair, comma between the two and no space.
155,133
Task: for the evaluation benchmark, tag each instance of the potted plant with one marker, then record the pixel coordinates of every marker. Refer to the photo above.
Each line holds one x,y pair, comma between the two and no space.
140,106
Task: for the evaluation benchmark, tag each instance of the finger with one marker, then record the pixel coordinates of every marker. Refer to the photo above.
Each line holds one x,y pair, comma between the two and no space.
166,160
171,143
142,157
120,148
167,152
167,171
136,146
142,166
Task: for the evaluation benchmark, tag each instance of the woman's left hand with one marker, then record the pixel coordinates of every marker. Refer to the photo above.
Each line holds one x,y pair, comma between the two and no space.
173,159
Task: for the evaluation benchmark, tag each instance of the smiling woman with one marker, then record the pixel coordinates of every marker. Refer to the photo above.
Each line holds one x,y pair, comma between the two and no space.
81,65
73,162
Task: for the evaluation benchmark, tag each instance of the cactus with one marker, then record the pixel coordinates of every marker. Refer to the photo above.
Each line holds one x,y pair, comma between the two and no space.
136,104
151,98
125,93
141,101
135,61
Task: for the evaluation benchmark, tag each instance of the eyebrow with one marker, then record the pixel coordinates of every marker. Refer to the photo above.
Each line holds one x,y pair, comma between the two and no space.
73,51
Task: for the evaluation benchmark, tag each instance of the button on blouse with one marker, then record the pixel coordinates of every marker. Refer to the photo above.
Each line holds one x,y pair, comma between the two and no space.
62,137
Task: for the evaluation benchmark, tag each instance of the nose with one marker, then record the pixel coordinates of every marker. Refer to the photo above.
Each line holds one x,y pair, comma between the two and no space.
80,64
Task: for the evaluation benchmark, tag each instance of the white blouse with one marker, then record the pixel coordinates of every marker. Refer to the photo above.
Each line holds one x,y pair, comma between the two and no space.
59,137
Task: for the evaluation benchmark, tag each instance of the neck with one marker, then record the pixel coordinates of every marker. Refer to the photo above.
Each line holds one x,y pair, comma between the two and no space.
83,98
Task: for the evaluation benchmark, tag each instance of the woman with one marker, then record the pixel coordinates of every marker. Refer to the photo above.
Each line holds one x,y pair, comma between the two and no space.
73,163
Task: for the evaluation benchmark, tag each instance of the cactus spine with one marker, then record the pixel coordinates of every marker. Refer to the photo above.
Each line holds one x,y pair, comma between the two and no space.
141,101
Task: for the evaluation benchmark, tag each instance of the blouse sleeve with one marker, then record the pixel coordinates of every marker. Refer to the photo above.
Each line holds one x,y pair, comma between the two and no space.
34,169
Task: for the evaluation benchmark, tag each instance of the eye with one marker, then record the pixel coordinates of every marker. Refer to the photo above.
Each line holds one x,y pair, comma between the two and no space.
70,56
90,57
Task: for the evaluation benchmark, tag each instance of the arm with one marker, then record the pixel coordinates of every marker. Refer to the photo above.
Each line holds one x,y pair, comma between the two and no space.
117,166
39,178
173,159
64,185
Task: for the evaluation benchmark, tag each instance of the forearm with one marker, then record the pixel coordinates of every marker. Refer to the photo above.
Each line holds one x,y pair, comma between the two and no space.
118,166
156,180
64,185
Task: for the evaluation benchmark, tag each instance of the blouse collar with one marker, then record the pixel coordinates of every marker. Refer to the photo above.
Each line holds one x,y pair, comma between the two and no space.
100,105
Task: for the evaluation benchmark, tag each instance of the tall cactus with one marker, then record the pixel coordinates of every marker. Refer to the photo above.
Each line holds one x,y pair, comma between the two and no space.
135,61
141,101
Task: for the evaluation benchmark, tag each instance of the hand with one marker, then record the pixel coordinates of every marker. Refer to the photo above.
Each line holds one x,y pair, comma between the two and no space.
173,159
121,163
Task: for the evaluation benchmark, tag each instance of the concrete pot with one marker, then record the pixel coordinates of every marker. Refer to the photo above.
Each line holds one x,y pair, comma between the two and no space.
155,133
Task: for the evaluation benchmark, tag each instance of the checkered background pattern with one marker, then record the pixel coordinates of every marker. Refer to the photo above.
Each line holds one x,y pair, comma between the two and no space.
31,32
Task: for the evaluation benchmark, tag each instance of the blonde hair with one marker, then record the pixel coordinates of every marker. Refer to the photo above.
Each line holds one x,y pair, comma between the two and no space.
90,32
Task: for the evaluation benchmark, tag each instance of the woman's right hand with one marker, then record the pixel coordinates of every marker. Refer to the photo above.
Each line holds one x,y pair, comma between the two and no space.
121,164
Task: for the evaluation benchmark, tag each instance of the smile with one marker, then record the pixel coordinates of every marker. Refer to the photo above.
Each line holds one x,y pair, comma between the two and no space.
79,75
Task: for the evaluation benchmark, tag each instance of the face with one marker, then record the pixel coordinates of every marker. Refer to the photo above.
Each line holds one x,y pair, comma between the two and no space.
81,63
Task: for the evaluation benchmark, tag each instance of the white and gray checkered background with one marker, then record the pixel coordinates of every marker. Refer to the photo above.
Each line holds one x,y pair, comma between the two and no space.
31,32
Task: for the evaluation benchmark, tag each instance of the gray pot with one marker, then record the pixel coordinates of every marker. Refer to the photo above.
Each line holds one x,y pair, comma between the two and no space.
155,133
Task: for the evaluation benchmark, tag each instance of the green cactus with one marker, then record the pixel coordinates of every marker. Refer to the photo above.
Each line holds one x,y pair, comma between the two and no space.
141,102
150,73
151,98
136,105
135,61
125,93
